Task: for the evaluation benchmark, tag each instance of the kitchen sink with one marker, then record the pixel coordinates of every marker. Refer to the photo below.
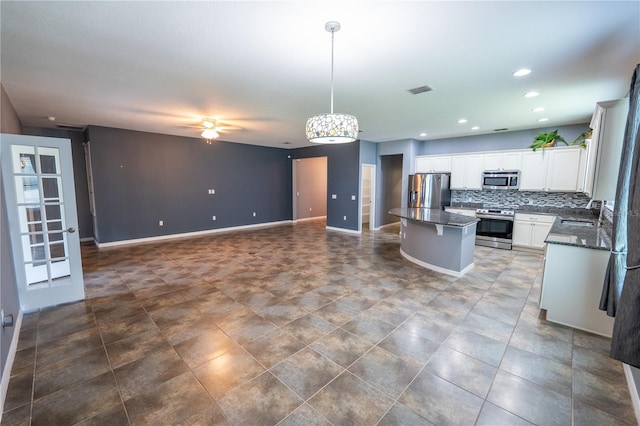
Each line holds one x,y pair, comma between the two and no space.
578,222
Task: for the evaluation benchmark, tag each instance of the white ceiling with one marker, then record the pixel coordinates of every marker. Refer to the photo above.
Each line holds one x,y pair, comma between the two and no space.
265,66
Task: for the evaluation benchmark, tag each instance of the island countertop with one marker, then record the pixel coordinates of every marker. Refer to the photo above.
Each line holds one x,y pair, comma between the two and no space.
434,216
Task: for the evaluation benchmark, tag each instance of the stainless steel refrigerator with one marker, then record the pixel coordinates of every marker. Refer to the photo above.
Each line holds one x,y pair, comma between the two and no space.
429,190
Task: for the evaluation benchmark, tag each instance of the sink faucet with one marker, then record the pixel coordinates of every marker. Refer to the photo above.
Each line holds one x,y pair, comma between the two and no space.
588,206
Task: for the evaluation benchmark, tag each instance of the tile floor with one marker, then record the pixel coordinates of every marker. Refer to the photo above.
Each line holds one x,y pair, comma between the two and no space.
296,325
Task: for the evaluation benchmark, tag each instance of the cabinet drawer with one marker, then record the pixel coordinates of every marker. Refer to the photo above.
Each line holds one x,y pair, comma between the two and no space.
541,218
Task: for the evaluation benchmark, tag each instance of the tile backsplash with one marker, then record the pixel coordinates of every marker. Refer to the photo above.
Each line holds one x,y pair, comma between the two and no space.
515,199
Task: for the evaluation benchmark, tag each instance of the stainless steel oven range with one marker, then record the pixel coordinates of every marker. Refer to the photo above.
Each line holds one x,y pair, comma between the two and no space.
495,228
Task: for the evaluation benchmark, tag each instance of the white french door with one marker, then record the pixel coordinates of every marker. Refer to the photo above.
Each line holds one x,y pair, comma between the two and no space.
37,176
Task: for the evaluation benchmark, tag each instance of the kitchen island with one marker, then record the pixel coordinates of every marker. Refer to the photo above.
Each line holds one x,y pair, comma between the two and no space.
438,240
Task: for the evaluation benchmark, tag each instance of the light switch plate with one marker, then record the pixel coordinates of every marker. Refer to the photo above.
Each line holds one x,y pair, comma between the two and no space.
334,196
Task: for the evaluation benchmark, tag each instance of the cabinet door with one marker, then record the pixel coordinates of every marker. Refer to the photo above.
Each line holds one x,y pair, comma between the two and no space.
442,163
474,169
432,163
539,232
610,137
512,160
458,172
534,171
423,164
492,161
522,233
563,170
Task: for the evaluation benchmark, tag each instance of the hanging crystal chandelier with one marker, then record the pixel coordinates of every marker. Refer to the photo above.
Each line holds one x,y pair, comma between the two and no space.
332,128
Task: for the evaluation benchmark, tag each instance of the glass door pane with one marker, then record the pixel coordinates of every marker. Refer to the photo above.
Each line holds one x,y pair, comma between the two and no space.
38,184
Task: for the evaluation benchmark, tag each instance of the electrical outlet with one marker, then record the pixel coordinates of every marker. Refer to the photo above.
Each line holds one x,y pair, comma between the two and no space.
213,191
344,218
353,197
161,223
254,214
334,196
214,218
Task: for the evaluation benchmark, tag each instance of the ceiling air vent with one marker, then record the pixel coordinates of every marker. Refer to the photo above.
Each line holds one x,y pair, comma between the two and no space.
70,127
421,89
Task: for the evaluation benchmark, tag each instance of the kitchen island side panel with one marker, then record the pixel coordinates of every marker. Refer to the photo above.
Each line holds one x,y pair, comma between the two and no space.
453,250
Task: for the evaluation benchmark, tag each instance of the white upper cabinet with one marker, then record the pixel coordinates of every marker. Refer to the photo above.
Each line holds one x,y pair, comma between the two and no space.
603,163
533,171
508,160
512,160
493,161
466,171
551,169
433,163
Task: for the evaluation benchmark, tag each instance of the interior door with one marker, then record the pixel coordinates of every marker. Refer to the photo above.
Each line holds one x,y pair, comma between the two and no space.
37,174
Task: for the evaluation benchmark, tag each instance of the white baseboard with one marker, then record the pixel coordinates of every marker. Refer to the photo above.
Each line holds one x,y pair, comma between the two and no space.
633,390
387,225
305,219
348,231
11,356
189,234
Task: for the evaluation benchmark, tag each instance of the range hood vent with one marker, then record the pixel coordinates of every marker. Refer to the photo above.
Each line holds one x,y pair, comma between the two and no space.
421,89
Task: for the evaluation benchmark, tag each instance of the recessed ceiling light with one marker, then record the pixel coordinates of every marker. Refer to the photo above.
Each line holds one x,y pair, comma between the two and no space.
462,121
51,118
475,128
522,72
423,134
542,120
531,94
539,109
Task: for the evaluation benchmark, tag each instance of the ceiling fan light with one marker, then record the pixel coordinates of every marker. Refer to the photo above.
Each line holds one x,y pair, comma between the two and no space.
209,134
332,128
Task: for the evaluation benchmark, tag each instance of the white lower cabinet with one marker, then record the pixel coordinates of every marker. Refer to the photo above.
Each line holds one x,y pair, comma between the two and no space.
572,285
530,230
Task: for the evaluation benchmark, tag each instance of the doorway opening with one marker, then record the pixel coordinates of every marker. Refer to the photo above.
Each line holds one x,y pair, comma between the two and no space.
391,190
309,188
367,200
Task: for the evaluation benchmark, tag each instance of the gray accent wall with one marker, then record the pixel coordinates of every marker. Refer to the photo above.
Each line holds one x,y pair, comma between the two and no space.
85,225
343,180
142,178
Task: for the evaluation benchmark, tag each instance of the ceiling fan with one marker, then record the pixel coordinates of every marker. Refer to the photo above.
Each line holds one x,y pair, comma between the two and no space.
211,128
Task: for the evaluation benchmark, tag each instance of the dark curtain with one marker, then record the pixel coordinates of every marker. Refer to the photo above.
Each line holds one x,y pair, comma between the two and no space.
621,291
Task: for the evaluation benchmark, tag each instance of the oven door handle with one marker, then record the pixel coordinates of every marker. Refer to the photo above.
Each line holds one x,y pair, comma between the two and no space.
486,216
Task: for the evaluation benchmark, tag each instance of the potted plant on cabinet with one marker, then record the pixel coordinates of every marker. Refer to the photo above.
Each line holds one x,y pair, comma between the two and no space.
548,139
582,138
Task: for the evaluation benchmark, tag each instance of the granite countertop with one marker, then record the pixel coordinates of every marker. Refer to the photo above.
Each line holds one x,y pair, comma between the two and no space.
594,237
434,216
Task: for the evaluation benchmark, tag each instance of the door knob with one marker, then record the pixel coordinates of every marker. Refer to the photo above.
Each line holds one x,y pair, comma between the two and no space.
71,230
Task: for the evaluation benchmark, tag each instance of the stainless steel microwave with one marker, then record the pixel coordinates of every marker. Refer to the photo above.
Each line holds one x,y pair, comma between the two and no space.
501,179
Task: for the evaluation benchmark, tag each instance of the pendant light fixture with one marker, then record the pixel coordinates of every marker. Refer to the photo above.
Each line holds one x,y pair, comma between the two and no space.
332,128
